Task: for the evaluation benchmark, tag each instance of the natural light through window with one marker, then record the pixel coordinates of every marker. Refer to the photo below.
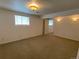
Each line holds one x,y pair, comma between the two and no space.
22,20
50,22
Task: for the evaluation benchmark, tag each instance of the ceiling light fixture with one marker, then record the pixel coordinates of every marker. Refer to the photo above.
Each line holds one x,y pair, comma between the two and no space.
33,5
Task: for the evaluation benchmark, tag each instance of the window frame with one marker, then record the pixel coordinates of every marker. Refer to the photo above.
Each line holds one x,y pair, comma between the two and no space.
19,20
49,22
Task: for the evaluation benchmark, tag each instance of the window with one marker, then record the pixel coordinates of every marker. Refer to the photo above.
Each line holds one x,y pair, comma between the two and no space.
21,20
50,22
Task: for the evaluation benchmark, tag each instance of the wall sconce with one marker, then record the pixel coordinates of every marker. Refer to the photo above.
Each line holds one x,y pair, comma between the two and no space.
58,19
74,19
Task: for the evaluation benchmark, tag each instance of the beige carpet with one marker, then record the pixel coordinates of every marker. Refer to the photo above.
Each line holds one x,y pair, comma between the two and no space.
41,47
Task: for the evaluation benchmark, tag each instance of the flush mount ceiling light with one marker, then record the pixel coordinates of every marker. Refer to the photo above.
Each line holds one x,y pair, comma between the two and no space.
33,6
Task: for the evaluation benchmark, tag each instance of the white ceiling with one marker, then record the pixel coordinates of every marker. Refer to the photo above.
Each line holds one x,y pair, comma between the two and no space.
47,6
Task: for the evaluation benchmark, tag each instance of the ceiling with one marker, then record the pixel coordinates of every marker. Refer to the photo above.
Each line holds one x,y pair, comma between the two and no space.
47,6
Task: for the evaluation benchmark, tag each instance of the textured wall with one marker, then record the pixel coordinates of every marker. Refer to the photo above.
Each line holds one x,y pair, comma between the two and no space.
42,47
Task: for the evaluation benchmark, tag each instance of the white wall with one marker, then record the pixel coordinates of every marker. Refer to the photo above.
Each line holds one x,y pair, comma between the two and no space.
67,28
10,32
